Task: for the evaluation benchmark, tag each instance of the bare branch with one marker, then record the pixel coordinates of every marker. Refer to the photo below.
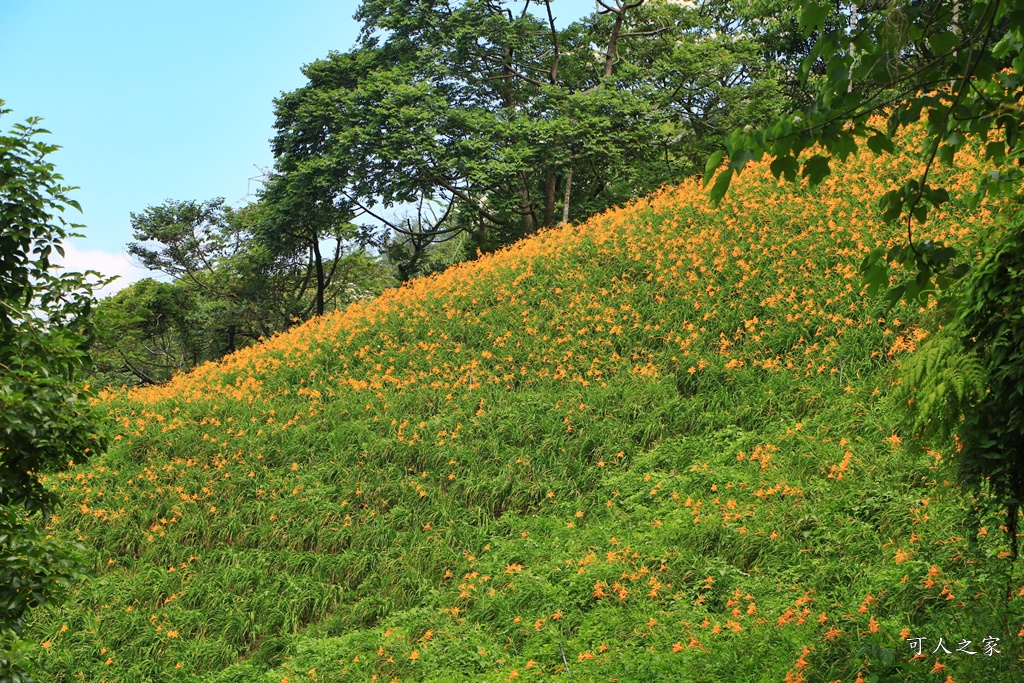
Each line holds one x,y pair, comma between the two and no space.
511,71
554,43
334,266
461,195
435,230
655,32
367,211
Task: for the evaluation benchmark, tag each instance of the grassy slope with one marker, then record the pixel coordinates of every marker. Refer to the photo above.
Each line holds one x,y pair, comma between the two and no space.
658,442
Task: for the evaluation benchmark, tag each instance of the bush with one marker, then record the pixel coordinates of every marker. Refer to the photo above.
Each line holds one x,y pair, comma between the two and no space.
46,419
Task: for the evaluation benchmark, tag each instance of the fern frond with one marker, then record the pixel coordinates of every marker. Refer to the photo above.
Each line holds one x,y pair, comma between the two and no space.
939,381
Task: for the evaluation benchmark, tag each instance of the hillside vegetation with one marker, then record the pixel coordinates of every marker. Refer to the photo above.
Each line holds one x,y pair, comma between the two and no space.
655,446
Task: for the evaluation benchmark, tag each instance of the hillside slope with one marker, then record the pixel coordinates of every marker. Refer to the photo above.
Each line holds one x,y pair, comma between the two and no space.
655,446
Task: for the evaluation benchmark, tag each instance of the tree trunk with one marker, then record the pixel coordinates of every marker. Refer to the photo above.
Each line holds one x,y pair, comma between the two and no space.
568,189
526,205
613,44
321,283
549,198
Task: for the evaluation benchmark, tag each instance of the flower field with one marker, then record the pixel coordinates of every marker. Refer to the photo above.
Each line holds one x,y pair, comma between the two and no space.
656,446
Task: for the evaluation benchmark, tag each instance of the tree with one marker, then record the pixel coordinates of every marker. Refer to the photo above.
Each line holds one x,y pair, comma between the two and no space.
503,123
960,66
46,419
147,332
231,289
204,246
238,275
297,219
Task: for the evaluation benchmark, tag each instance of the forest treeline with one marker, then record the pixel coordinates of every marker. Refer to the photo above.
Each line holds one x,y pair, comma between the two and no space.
450,129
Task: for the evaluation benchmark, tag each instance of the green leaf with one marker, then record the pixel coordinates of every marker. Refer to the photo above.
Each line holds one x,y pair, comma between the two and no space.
816,168
740,159
786,166
937,195
721,185
893,296
712,164
995,150
872,258
959,271
973,200
920,212
812,16
894,207
942,256
880,142
843,146
875,277
943,42
945,154
1008,44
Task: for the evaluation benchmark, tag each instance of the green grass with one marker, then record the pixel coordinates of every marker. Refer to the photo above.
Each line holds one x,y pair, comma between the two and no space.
658,444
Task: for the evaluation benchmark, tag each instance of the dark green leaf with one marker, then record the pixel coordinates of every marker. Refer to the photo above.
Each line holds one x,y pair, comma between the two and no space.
721,185
786,166
880,142
816,168
812,16
943,42
875,277
995,150
945,154
740,159
896,293
714,161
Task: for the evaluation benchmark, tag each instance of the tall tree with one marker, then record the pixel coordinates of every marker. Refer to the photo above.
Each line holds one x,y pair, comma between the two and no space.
194,243
234,283
146,333
496,118
46,421
298,220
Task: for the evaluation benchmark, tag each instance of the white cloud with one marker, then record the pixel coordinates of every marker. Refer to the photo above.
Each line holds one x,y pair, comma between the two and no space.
80,260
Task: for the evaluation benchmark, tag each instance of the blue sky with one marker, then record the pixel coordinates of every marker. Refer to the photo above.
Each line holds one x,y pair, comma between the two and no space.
162,100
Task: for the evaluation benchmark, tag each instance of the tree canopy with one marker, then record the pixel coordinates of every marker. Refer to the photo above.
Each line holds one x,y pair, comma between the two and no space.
237,276
496,123
958,65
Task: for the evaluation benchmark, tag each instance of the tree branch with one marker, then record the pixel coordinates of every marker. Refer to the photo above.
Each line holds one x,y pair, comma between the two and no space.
655,32
554,43
990,20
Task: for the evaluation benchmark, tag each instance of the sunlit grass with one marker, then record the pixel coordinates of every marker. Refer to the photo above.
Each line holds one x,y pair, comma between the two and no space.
652,447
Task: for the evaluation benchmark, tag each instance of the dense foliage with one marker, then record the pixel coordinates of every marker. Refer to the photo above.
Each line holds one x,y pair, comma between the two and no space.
46,422
450,129
992,313
491,123
235,280
961,67
967,382
656,443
